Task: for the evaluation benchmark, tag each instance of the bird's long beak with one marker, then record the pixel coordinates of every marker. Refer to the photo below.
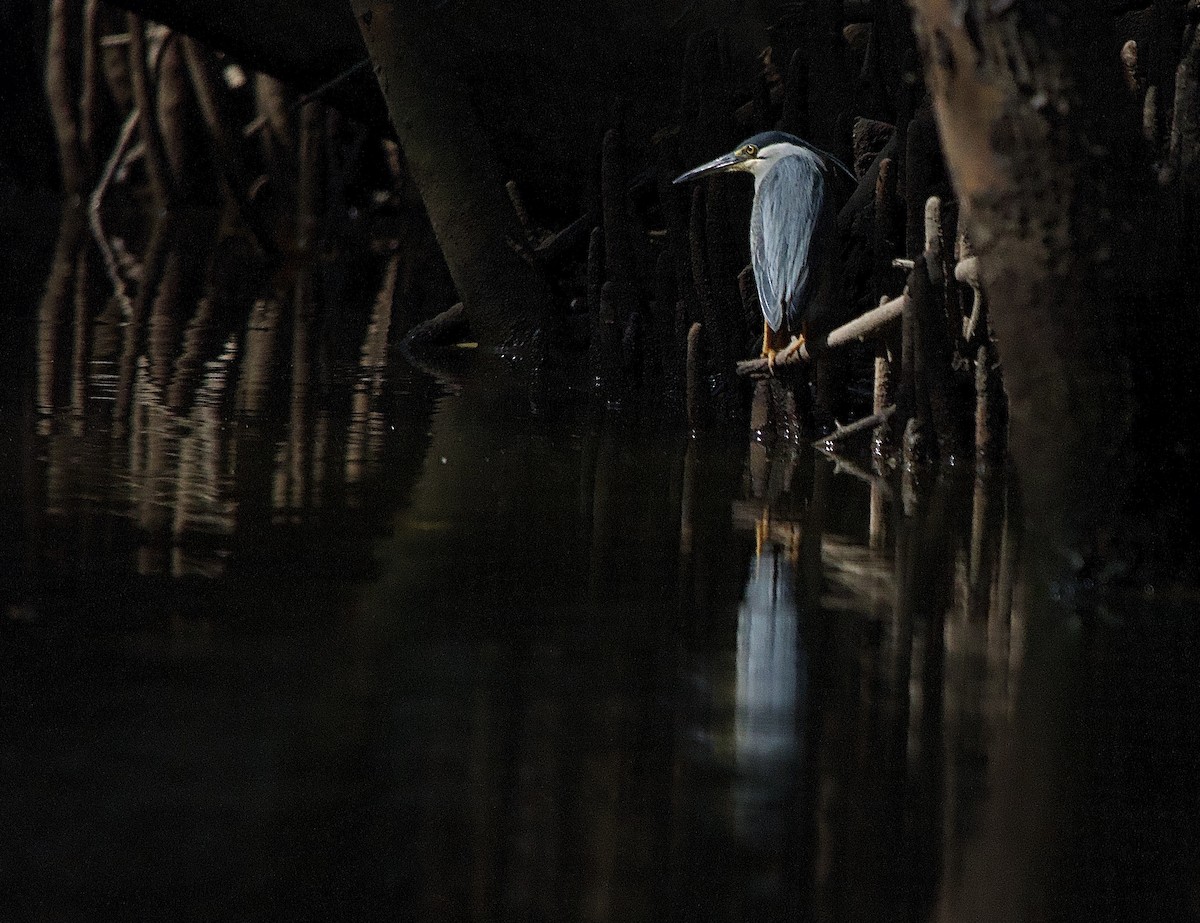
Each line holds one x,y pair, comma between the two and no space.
720,165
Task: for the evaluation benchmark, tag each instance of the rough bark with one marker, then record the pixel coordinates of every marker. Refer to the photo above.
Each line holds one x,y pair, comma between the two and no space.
1007,102
456,172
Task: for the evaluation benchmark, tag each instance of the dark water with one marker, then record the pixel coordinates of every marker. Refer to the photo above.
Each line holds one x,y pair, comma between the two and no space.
291,630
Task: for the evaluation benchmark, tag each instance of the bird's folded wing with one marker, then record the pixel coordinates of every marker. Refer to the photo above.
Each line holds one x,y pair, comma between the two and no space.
787,204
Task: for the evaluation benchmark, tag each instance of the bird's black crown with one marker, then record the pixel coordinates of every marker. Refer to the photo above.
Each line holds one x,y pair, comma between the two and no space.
764,138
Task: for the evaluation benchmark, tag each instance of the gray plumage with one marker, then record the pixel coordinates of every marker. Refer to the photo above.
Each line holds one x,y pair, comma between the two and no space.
788,202
793,229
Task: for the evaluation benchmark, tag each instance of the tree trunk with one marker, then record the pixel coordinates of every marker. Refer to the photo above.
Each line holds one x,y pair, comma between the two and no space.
454,168
1039,201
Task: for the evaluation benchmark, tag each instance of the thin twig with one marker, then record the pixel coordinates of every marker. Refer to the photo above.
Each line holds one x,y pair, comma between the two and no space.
254,127
557,244
843,466
849,429
328,85
561,242
97,199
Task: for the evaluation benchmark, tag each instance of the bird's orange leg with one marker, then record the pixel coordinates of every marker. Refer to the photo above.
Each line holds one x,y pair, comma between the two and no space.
773,341
762,532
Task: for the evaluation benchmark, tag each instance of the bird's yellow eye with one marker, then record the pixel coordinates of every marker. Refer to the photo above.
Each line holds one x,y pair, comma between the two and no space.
747,151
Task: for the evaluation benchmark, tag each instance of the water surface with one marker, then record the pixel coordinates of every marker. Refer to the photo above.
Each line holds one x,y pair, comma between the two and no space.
293,630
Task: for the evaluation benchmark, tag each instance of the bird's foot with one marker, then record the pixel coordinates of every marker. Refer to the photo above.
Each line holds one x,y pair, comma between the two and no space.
769,354
795,346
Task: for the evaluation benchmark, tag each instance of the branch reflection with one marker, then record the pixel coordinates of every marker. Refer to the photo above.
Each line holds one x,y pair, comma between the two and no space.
500,662
156,416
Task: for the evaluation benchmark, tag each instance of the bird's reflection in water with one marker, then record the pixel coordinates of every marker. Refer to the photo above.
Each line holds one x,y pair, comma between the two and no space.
769,697
627,714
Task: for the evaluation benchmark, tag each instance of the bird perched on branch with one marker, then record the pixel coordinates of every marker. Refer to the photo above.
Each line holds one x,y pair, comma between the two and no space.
793,235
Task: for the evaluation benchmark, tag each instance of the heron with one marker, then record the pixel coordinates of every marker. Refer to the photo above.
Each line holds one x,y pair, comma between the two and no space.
793,236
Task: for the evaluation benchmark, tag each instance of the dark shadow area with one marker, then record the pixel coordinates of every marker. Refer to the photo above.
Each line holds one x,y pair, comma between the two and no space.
319,602
291,630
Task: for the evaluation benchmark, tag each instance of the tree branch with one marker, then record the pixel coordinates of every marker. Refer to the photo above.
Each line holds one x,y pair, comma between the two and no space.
858,329
849,429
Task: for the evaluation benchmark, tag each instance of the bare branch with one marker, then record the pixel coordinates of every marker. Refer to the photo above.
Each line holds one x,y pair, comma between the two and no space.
97,199
849,429
858,329
845,466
